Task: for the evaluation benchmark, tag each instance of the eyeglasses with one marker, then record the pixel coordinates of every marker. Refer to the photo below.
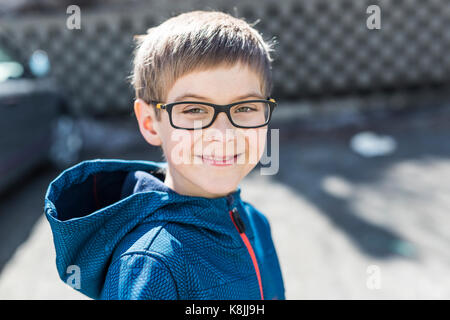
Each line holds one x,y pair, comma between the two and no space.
191,115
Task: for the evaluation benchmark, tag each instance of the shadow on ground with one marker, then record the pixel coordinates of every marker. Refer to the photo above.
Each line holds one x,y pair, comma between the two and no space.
307,158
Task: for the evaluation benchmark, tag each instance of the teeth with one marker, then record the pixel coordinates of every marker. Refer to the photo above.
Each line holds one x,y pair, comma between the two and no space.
218,159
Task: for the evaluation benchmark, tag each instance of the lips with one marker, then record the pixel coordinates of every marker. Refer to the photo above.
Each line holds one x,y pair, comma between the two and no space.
219,161
219,158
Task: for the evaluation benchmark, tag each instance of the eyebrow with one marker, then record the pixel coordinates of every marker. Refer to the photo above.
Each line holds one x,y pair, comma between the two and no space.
196,96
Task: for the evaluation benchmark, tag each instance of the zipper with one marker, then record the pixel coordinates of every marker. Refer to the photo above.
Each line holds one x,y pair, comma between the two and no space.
240,226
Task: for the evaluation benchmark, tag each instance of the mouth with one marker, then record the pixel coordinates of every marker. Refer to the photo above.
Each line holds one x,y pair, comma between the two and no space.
220,161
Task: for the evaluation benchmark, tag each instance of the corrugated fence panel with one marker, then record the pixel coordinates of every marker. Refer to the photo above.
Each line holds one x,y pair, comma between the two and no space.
323,47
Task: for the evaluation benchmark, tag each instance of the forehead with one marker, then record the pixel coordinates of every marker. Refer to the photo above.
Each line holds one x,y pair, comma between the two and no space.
218,85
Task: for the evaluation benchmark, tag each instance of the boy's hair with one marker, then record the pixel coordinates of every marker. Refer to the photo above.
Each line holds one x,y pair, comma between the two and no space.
196,41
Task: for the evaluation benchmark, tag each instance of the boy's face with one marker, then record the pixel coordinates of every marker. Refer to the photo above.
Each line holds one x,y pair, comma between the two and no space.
208,162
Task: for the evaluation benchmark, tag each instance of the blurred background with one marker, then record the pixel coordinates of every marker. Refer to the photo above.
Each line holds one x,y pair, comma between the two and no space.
360,206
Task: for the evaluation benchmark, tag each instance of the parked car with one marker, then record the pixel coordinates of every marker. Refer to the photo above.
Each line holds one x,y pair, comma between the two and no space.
34,123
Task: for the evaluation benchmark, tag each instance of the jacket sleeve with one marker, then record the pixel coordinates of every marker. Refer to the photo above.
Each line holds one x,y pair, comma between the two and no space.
139,276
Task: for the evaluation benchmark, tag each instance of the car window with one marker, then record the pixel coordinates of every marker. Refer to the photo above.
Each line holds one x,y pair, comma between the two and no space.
9,68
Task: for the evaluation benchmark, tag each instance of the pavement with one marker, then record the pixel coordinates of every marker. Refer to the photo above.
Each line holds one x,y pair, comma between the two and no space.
345,226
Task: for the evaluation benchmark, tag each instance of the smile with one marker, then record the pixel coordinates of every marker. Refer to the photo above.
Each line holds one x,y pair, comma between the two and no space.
220,161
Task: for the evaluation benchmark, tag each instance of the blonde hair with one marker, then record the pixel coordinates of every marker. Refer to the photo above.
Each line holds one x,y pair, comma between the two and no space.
196,41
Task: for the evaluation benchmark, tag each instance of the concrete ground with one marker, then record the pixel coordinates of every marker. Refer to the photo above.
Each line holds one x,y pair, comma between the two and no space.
345,226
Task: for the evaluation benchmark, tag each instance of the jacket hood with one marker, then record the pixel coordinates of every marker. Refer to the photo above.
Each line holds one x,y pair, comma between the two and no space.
93,205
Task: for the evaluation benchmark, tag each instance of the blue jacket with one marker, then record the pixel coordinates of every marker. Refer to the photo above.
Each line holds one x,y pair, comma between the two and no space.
129,236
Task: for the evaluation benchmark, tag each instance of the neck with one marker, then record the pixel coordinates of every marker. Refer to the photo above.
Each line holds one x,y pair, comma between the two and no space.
182,186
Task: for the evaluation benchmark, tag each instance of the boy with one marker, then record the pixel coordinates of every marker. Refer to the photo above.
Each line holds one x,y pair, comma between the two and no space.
177,230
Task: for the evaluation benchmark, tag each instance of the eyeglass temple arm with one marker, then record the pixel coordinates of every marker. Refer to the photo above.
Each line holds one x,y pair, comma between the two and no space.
157,104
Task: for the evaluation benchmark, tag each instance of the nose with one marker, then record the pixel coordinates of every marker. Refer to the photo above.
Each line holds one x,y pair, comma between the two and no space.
222,122
223,129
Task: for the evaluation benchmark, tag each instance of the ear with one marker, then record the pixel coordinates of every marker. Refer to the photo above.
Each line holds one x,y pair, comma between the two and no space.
146,118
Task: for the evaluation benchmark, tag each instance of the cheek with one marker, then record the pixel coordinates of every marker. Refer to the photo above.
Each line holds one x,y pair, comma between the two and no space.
255,140
177,146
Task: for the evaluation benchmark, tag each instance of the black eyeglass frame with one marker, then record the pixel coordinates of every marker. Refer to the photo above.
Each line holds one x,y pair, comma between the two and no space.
217,109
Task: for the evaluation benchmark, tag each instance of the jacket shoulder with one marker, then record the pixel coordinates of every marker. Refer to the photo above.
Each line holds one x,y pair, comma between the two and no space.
146,264
257,217
155,237
261,228
139,276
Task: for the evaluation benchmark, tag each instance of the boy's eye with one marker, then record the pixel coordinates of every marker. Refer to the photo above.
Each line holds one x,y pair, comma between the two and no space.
246,108
194,110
